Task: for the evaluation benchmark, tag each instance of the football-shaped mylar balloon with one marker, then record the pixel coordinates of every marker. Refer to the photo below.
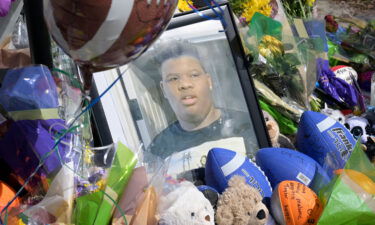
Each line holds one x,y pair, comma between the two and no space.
103,34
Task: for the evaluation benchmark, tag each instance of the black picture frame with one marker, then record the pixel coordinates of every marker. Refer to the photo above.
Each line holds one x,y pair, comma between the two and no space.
241,64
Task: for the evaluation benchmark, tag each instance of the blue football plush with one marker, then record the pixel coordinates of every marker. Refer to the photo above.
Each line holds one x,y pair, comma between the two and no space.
281,164
325,140
321,179
222,164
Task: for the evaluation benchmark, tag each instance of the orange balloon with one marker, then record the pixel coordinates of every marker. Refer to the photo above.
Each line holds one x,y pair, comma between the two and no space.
7,194
359,178
293,203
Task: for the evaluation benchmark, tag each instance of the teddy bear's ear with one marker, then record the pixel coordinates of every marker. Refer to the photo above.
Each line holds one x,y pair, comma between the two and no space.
236,180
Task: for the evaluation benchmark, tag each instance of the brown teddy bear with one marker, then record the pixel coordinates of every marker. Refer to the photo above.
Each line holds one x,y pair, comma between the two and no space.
241,204
278,140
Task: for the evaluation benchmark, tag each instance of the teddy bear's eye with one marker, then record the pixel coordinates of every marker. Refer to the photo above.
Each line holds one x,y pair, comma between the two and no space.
192,214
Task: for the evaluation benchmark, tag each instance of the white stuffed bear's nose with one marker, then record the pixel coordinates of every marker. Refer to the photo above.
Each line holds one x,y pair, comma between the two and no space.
208,218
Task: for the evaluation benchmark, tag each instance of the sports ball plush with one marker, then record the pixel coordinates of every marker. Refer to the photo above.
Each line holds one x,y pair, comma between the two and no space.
293,203
325,140
241,204
185,205
222,164
346,73
104,34
281,164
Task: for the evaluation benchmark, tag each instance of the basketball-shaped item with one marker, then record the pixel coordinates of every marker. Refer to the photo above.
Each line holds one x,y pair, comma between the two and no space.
293,203
281,164
7,194
103,34
325,140
346,73
222,164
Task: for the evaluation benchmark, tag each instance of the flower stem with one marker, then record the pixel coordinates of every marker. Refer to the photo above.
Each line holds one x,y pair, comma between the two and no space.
302,8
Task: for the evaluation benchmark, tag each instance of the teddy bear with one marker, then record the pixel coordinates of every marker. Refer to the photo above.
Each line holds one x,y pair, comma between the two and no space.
241,204
185,205
278,140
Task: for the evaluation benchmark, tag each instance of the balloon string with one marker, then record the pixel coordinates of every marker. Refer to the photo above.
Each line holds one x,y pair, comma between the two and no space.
46,155
75,82
219,16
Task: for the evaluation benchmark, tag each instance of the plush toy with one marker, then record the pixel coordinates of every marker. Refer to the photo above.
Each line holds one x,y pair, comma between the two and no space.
277,139
241,204
334,114
185,205
359,127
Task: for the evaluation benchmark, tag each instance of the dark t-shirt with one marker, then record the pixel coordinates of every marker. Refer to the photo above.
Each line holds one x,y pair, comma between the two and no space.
230,124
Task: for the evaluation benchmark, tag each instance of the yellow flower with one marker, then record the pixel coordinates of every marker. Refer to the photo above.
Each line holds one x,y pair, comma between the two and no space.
183,5
101,184
250,7
310,2
270,47
88,155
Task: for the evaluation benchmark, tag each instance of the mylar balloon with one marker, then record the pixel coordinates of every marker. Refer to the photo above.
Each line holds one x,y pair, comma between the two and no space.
103,34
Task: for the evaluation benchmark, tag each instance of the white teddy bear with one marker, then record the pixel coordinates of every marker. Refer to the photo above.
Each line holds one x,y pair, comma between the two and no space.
185,205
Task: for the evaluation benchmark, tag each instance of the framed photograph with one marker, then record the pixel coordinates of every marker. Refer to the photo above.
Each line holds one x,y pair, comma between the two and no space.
191,92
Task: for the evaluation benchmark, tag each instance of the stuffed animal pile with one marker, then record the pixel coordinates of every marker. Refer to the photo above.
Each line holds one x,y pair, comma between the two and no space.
240,191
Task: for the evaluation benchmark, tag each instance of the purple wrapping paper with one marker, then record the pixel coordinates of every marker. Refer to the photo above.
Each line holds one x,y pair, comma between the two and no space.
26,142
29,95
337,88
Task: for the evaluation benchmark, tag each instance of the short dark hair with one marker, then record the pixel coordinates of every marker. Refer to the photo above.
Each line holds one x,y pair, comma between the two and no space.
175,48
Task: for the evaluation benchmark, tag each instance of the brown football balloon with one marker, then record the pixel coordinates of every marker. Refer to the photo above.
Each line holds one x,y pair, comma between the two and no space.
102,34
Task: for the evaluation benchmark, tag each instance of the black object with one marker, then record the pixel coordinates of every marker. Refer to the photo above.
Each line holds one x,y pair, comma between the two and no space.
101,133
39,38
370,149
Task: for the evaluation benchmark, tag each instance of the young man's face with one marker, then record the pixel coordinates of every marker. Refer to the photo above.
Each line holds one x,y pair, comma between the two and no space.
187,87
